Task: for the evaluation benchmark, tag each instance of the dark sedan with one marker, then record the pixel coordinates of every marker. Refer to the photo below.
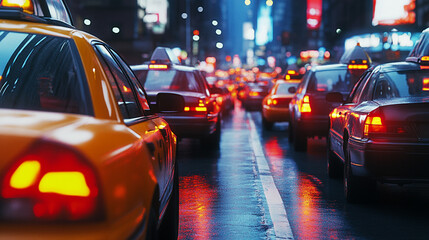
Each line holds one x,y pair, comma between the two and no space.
381,132
201,116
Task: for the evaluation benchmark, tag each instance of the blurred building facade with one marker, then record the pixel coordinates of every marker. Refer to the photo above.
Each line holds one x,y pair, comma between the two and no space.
251,29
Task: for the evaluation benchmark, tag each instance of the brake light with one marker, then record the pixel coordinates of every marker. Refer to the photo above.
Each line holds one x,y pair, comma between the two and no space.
26,5
54,182
373,124
425,84
304,105
200,108
271,101
253,94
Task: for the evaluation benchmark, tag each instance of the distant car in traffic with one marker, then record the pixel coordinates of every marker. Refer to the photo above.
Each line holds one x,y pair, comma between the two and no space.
254,92
309,110
275,106
82,154
201,116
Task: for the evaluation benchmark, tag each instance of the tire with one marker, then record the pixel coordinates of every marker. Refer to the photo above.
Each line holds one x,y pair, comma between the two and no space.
356,189
266,124
334,165
213,140
152,231
169,228
299,139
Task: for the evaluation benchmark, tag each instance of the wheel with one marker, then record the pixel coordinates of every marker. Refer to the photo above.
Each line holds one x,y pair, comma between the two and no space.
333,163
266,124
169,228
152,231
299,139
213,140
356,188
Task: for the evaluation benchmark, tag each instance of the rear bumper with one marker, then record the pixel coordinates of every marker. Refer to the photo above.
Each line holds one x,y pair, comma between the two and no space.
313,127
192,126
391,162
253,103
275,114
125,227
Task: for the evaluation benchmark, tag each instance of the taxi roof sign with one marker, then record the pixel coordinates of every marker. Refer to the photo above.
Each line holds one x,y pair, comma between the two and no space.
44,11
356,55
421,49
164,55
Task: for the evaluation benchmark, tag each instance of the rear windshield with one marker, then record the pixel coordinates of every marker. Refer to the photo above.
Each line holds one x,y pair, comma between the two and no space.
339,80
402,84
283,88
173,80
41,73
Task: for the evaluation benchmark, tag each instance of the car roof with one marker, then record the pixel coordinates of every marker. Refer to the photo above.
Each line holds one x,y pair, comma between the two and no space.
44,29
398,66
174,66
327,67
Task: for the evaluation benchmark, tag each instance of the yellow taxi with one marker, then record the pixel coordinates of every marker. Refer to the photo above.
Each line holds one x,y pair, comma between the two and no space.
275,106
82,154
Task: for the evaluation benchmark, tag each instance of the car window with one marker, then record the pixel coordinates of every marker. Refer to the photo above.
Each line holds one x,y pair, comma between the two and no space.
305,79
357,90
401,84
140,92
122,89
43,73
339,80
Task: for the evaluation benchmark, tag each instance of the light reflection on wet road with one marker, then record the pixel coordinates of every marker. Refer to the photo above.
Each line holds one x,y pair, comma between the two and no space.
221,195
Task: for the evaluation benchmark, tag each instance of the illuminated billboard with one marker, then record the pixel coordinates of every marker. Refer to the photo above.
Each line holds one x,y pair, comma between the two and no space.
314,14
393,12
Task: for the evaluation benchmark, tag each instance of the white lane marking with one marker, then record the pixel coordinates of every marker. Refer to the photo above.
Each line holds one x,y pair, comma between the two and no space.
275,204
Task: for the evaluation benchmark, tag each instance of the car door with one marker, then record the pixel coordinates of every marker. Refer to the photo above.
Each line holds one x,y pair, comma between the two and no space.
132,104
340,115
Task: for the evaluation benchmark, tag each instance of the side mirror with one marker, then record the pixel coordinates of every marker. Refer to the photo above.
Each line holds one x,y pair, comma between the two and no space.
334,97
292,90
170,102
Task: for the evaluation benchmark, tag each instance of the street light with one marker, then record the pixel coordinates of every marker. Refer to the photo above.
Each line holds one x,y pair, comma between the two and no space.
215,23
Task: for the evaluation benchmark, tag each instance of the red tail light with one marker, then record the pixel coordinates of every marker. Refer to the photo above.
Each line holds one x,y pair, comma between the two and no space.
254,94
201,107
271,101
374,124
304,105
50,182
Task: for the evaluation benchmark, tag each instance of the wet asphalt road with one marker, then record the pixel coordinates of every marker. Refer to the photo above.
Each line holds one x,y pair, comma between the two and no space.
222,195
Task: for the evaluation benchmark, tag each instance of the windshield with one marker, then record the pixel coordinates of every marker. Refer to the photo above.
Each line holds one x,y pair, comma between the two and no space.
172,80
339,80
40,73
402,84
